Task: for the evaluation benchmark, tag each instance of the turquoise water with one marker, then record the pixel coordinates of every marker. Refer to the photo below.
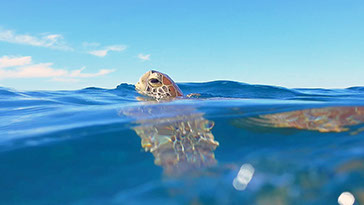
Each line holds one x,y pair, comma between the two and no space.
81,147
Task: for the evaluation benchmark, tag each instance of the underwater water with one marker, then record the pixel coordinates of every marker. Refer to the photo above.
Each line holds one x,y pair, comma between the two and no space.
234,144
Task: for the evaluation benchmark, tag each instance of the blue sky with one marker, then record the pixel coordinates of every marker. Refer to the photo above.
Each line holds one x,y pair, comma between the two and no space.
62,44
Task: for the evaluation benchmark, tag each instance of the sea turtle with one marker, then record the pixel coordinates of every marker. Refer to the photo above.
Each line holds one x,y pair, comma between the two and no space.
179,137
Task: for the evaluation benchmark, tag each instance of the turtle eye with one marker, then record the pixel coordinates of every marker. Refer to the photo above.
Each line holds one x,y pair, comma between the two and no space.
154,81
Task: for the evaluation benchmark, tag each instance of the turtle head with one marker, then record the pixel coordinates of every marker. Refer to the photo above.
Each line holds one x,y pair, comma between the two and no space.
157,85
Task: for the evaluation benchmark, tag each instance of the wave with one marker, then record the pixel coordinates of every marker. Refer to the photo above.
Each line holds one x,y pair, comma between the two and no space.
213,89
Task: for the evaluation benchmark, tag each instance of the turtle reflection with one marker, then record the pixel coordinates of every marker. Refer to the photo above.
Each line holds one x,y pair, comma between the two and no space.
178,142
328,119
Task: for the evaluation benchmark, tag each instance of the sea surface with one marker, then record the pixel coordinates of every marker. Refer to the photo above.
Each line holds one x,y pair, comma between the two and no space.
267,145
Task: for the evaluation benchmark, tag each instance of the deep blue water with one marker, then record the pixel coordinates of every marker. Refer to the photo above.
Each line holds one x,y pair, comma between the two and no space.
79,147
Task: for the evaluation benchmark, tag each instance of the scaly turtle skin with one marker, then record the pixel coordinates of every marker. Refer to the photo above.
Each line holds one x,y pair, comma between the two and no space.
181,139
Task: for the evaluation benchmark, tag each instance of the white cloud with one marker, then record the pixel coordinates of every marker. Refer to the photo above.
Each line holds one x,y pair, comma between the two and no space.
7,61
103,52
54,41
41,70
144,57
22,67
99,53
78,74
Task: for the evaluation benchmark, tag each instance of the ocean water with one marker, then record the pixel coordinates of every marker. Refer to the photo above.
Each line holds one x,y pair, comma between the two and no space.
234,144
